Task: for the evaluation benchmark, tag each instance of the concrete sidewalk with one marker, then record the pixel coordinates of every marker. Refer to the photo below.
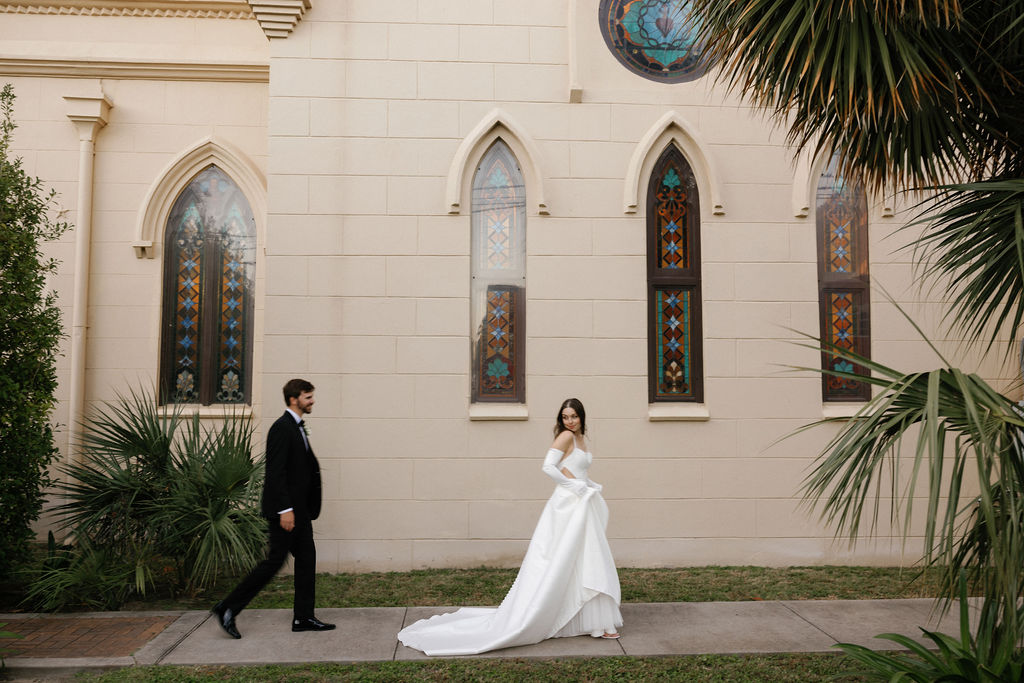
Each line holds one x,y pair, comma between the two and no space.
55,646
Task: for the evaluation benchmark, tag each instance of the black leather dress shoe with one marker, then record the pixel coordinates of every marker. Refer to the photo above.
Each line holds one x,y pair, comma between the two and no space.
311,624
226,619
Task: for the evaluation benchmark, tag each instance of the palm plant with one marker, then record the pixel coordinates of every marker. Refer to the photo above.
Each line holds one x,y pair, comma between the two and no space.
954,659
84,576
909,96
211,513
958,429
924,96
155,490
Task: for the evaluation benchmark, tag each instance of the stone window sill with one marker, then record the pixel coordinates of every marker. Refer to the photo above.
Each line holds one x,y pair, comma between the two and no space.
678,412
840,410
212,412
498,411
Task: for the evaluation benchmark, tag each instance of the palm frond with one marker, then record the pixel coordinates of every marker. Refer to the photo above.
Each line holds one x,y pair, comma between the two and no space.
975,239
907,94
212,510
939,427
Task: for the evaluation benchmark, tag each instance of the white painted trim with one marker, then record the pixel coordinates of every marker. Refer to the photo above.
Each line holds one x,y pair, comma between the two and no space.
672,127
496,123
156,207
678,412
498,411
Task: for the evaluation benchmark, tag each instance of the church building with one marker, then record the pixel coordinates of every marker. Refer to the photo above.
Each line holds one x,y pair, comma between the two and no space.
449,216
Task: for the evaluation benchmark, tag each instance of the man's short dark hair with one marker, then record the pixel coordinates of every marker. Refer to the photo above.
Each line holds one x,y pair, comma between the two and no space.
294,387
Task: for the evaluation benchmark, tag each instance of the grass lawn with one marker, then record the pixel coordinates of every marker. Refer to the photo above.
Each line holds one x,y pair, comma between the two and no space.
487,586
696,669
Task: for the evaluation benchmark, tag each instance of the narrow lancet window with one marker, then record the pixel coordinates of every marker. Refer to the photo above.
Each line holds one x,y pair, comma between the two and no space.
674,340
843,282
209,268
498,277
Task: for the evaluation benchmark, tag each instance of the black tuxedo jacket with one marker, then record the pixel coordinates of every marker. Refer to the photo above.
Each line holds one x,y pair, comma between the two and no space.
293,473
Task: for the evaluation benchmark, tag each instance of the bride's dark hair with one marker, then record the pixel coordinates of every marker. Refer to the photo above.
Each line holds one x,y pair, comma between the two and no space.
575,404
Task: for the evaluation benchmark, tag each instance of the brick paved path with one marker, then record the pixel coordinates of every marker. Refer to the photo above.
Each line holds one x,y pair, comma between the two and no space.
71,636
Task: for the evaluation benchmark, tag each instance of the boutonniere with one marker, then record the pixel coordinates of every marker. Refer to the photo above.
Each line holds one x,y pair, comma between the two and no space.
305,429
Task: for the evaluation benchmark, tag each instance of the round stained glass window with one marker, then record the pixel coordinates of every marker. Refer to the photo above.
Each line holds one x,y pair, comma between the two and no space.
653,38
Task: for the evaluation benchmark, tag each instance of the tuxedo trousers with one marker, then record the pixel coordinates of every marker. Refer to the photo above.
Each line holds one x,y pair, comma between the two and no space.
299,543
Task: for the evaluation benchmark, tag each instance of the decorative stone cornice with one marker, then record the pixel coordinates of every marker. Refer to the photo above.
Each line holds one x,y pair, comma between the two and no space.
247,72
203,9
279,17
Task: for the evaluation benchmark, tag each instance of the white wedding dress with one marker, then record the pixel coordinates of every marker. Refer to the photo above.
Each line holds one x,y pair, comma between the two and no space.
567,584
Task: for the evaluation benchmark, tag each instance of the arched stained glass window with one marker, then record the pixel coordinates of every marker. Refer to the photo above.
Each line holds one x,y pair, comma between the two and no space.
843,282
209,266
674,341
498,277
656,39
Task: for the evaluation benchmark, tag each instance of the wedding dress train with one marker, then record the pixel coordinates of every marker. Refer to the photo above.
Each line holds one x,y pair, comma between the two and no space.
566,586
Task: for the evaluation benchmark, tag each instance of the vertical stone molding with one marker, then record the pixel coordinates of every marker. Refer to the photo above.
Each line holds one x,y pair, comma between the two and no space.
88,114
575,87
279,17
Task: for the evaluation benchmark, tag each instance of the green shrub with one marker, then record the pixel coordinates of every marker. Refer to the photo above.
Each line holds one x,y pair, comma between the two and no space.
155,499
81,577
30,331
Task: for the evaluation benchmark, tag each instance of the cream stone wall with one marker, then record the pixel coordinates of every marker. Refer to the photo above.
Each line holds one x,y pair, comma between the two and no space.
367,120
379,112
175,83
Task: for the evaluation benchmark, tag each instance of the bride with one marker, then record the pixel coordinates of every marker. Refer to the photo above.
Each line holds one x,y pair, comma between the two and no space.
567,584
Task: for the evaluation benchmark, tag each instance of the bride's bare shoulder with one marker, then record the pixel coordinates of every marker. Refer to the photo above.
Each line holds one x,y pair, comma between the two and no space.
563,441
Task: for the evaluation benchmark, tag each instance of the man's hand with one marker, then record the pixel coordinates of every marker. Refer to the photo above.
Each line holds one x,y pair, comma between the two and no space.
288,520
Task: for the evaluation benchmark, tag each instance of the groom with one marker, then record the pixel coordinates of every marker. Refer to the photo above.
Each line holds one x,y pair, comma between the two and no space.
291,501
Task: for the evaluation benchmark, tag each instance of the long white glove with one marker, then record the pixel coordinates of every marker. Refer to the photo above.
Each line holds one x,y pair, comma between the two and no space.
554,456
